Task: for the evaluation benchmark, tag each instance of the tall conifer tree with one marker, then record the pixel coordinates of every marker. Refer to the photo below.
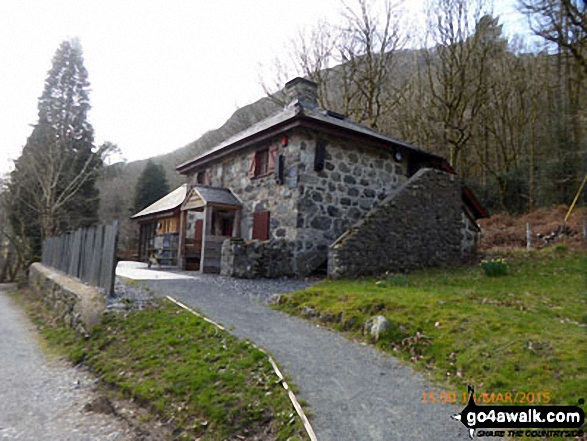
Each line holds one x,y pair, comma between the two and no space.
53,184
151,186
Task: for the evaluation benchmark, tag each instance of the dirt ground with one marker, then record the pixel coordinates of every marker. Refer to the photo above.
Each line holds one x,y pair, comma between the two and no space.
508,231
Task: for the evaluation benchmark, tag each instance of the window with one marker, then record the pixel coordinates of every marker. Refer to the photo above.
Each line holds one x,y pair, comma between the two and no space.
200,177
204,177
263,161
261,225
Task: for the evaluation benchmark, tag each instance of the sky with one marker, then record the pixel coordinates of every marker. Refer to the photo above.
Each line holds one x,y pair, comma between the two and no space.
162,72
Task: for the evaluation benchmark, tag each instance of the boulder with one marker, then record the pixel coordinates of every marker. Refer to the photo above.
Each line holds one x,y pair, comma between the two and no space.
376,326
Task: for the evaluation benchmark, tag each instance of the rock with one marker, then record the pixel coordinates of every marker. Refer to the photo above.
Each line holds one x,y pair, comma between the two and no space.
308,311
100,404
275,299
376,326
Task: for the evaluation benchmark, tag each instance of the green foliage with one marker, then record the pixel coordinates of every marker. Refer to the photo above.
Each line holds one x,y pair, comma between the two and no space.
392,279
207,383
522,332
151,186
494,267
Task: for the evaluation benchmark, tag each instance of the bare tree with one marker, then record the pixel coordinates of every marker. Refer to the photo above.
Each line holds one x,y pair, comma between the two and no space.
562,22
14,247
457,72
504,137
352,63
366,50
45,181
309,54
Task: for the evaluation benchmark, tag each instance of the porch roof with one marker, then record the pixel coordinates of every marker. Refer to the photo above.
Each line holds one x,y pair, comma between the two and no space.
167,203
202,195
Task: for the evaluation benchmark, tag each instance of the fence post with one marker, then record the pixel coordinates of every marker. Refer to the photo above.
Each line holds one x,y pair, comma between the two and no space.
88,254
528,237
108,261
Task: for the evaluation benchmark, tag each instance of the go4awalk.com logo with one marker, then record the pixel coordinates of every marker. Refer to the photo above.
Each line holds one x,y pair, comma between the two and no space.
516,421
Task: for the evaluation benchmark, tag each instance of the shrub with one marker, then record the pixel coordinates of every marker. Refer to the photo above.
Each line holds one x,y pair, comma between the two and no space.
391,279
494,267
560,248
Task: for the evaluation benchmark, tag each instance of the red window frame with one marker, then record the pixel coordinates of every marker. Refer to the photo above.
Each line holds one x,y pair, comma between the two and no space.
261,162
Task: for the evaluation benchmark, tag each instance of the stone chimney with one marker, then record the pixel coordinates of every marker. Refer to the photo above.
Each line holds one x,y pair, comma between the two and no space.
300,90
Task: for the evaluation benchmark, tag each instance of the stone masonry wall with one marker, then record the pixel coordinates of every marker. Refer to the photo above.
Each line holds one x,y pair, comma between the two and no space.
417,226
251,259
79,306
469,237
261,193
355,179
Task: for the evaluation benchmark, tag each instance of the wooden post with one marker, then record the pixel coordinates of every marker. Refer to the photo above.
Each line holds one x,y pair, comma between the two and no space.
236,230
205,231
181,245
140,241
528,237
585,229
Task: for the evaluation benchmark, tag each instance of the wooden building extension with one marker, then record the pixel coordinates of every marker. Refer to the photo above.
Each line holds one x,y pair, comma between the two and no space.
187,227
159,227
209,216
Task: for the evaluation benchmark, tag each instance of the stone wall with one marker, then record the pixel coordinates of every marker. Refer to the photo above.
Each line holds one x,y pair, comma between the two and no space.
251,259
469,236
261,193
417,226
79,306
355,179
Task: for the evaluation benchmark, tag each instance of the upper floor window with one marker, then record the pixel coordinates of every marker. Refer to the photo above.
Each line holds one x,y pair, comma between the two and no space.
262,161
204,177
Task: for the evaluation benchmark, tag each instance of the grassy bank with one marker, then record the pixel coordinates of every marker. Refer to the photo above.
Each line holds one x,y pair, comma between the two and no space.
205,383
523,333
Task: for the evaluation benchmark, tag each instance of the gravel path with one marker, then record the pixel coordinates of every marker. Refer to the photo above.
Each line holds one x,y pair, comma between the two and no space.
41,398
355,392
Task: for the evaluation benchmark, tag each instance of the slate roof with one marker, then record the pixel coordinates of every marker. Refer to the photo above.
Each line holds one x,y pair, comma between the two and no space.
292,115
168,202
217,195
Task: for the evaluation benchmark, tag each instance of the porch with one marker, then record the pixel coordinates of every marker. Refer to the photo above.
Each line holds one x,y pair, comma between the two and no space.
208,216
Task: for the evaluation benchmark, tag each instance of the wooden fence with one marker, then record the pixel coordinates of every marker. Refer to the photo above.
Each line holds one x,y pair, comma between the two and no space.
88,254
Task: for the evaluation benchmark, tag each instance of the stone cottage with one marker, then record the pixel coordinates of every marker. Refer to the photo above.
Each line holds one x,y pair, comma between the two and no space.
308,190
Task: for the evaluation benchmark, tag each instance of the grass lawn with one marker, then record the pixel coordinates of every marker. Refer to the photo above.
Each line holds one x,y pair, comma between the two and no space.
207,383
523,333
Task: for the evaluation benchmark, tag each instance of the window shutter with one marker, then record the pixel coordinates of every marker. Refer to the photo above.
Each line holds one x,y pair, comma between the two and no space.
252,165
261,225
208,177
280,172
272,158
320,156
